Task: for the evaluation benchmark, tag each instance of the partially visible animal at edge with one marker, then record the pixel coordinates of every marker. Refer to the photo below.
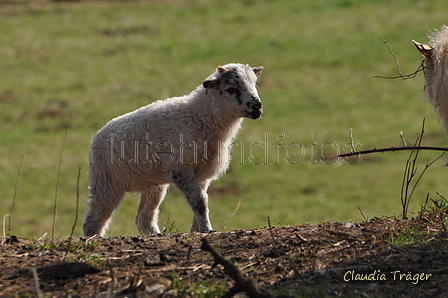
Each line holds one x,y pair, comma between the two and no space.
181,140
435,59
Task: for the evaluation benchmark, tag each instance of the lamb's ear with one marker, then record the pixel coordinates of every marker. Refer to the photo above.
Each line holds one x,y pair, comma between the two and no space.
258,70
423,48
210,82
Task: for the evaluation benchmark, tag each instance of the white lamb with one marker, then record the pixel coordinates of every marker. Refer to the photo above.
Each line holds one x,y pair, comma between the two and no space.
181,140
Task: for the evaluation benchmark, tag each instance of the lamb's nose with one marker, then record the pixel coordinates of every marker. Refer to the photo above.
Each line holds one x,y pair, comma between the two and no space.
256,109
258,106
254,104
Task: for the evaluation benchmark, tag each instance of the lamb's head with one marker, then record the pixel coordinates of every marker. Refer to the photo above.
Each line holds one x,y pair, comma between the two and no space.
234,88
435,58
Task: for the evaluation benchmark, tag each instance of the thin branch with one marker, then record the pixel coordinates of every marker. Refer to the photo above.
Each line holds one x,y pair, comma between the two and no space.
272,233
77,202
110,288
409,172
393,149
362,214
351,140
16,184
59,177
233,213
424,170
241,284
402,139
36,282
421,67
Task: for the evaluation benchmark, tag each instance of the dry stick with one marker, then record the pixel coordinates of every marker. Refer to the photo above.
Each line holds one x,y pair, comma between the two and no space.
392,149
16,183
272,233
241,284
410,169
404,77
402,139
77,202
110,289
362,214
4,227
190,248
409,173
428,164
351,140
69,246
36,283
59,177
233,213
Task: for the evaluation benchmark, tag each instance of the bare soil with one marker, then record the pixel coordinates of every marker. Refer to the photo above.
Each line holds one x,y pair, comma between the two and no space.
400,258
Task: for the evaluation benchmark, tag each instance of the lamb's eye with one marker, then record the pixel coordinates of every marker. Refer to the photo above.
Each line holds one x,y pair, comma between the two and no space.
231,90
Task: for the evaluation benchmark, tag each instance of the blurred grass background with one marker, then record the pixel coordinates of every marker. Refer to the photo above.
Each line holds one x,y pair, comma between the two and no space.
103,59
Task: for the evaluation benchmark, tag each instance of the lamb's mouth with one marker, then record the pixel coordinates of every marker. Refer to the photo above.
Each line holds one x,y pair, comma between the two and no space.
255,114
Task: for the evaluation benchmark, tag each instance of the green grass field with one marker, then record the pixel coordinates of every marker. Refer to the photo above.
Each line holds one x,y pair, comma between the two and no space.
103,59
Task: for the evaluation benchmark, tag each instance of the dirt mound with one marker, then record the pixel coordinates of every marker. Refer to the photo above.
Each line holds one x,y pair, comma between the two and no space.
379,258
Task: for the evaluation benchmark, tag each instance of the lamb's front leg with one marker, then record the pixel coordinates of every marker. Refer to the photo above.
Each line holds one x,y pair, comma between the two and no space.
197,198
148,210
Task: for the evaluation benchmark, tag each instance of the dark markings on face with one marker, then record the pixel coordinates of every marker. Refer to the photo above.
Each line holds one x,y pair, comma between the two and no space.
231,77
255,105
238,97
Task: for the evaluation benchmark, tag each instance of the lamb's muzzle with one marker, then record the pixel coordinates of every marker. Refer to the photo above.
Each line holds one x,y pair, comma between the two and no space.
256,107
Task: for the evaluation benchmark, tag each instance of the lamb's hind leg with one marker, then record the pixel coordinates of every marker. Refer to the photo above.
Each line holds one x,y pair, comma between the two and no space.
197,198
102,204
148,209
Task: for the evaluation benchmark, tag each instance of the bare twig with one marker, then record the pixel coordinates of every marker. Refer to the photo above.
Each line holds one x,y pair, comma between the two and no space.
408,185
110,289
42,237
77,202
36,282
409,172
16,184
57,181
428,164
272,233
190,248
421,67
351,140
392,149
4,224
69,245
233,213
241,284
362,214
402,139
